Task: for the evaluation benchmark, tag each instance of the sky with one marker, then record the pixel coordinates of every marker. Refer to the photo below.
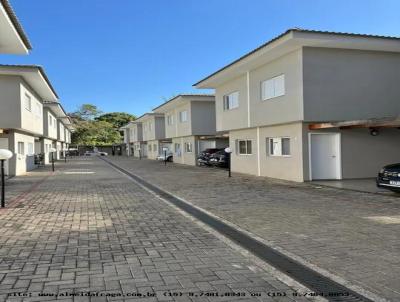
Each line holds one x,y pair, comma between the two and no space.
132,55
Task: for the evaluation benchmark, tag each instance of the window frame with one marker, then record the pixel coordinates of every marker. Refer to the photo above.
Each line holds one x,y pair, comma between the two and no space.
273,80
28,98
247,141
280,138
177,149
181,114
170,119
21,148
187,149
29,151
226,101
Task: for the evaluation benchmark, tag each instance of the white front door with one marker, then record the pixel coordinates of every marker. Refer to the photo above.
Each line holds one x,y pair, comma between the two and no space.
325,156
4,145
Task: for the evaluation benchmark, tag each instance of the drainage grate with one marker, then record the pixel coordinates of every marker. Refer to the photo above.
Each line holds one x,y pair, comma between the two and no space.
331,290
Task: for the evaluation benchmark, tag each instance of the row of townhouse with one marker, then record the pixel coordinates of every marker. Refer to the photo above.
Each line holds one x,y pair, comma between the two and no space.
185,125
32,121
306,105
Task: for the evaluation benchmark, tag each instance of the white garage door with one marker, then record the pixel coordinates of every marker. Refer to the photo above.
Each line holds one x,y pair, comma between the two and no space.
325,156
4,145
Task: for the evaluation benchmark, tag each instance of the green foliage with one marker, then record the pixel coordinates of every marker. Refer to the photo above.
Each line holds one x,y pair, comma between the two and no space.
94,129
118,119
86,112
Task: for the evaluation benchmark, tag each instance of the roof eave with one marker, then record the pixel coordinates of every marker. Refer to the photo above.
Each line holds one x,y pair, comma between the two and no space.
17,25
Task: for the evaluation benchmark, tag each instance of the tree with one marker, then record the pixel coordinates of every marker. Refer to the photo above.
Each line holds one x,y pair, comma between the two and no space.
118,119
95,133
87,112
92,128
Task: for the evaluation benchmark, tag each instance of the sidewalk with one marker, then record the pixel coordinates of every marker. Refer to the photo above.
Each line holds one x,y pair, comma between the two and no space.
89,228
351,235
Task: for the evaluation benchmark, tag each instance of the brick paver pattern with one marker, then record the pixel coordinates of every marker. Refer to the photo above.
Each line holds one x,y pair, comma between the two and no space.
351,234
89,228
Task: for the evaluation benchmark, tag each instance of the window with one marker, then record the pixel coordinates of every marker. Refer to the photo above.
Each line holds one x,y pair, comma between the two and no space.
231,101
28,102
183,116
273,88
170,120
30,149
21,148
150,148
188,147
279,146
244,147
38,110
177,149
50,120
155,147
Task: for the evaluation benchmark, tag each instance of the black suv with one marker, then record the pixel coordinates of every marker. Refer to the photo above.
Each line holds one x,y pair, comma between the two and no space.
389,177
204,156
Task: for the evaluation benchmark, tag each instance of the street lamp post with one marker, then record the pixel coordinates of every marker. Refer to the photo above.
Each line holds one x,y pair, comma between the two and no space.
165,155
4,155
52,150
229,152
140,153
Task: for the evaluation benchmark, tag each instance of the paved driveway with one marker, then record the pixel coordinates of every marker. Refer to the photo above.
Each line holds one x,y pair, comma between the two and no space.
352,235
89,228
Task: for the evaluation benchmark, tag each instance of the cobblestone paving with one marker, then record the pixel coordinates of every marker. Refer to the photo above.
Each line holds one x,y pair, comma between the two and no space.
350,234
88,228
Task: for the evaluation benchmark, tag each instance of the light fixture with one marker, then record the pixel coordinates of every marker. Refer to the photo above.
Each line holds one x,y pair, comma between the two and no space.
52,150
229,152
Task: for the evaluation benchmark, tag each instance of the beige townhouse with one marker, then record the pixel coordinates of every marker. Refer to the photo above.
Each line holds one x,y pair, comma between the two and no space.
69,128
190,124
13,39
133,138
64,132
54,130
24,89
153,134
311,105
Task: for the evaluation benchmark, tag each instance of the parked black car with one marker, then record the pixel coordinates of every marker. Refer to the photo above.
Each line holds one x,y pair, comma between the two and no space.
219,159
204,156
389,177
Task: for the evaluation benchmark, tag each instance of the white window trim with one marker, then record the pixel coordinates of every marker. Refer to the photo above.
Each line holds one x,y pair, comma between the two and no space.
224,99
29,98
272,79
170,119
181,115
278,155
238,147
191,147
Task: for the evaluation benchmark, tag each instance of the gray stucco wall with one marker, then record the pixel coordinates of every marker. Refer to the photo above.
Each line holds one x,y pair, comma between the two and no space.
159,127
10,100
344,84
362,154
203,118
